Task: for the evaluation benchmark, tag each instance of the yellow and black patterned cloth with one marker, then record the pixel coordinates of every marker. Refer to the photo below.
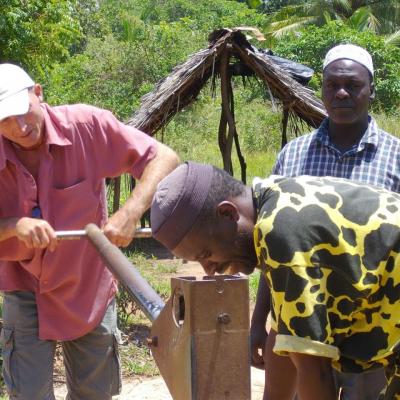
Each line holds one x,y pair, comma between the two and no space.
330,250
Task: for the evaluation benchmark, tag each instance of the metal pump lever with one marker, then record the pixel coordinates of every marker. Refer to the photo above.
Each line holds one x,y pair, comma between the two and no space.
78,234
138,288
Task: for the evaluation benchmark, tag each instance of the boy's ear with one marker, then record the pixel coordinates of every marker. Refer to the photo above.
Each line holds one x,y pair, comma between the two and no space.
226,209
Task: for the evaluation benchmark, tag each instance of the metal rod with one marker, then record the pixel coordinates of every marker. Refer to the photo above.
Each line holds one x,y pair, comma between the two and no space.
69,235
138,288
77,234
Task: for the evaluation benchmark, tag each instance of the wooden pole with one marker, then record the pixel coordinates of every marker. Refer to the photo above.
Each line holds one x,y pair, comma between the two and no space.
117,193
285,120
242,161
225,97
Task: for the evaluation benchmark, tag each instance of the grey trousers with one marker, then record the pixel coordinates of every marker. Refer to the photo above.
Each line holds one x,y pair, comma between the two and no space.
366,386
91,362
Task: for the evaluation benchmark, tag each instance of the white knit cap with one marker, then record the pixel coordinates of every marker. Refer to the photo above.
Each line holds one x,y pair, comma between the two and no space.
350,52
14,85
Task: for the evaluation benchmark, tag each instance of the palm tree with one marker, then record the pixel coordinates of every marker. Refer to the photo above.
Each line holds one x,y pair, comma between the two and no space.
382,17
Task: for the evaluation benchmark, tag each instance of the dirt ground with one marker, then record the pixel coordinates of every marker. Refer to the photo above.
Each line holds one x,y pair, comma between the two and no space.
154,388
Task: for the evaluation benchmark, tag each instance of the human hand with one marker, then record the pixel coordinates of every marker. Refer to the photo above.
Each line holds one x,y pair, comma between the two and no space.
258,338
120,228
36,233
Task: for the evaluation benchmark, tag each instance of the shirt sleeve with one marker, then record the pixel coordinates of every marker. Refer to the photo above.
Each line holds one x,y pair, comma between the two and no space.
120,148
13,249
278,166
301,307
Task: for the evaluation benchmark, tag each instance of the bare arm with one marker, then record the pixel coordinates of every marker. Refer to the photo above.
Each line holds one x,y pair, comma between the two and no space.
120,228
314,377
258,333
280,373
7,228
309,376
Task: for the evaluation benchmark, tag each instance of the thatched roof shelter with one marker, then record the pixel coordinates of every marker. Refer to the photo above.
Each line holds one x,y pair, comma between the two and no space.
228,52
181,87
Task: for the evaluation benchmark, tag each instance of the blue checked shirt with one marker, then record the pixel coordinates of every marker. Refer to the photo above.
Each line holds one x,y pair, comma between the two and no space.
374,160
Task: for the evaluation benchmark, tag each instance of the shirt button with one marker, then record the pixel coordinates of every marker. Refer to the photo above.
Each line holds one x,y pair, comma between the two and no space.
45,282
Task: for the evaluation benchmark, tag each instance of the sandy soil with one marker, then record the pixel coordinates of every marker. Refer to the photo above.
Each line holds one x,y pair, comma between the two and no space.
155,388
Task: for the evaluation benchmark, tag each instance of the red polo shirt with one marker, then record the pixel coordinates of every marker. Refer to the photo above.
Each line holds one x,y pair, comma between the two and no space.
84,145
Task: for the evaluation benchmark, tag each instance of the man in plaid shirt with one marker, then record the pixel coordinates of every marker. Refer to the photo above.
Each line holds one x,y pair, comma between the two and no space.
348,144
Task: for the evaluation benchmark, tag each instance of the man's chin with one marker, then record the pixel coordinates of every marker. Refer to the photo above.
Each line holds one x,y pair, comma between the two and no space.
234,269
342,116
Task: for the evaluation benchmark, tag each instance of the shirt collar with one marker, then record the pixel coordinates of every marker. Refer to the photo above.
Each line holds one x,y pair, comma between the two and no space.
53,127
370,136
261,187
54,135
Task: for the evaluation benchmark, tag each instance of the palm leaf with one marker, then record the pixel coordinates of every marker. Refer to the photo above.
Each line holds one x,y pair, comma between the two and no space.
393,39
286,12
279,29
388,13
361,19
342,6
254,3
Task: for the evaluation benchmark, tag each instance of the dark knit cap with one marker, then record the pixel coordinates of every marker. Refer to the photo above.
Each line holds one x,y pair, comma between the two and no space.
177,202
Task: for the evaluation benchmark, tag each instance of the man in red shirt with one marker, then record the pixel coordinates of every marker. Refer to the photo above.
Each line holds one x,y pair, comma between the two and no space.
53,161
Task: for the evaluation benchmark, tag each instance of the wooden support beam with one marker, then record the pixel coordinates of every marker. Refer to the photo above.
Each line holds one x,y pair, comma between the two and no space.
225,103
285,119
117,193
242,161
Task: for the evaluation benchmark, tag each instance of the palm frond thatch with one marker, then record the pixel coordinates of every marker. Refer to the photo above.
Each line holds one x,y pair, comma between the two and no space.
182,86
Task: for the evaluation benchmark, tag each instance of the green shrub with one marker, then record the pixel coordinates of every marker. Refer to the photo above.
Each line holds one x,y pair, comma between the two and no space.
37,33
147,40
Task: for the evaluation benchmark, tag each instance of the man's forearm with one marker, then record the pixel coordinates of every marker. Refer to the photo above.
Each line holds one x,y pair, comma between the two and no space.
161,165
8,227
32,233
120,228
263,303
280,373
314,377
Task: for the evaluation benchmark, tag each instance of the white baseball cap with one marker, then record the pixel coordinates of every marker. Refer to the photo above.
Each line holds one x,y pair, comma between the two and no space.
350,52
14,85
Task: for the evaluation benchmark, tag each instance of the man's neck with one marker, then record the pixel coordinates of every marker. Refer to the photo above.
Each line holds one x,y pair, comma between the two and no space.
346,136
249,205
30,158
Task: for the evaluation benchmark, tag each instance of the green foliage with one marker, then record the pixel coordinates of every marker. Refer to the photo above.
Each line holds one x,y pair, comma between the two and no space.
275,5
311,45
37,33
254,3
156,274
205,14
109,75
389,123
92,23
137,360
378,16
193,133
254,278
148,39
